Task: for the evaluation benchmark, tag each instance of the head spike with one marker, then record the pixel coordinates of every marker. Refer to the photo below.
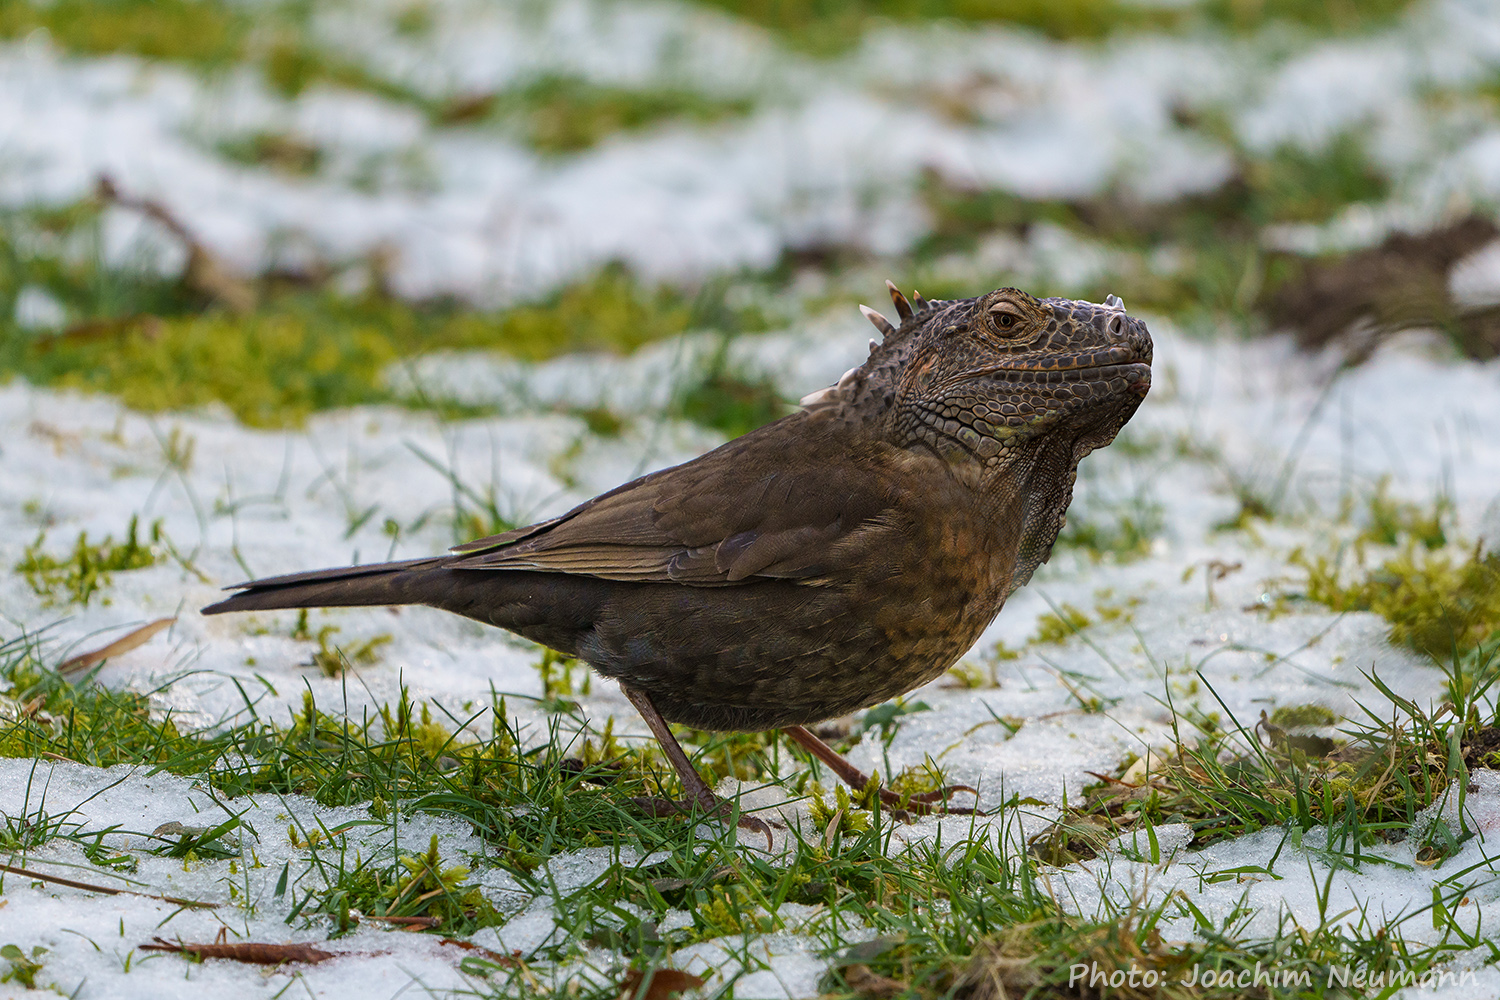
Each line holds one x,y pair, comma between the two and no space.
920,302
903,307
881,323
1115,302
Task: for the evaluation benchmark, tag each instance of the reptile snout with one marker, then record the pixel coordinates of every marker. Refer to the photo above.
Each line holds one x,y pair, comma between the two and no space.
1122,330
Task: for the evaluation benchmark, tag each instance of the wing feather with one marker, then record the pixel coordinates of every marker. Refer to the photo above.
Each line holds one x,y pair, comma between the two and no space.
730,517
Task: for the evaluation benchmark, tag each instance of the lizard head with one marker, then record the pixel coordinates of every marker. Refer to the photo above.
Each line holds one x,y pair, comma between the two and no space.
1009,390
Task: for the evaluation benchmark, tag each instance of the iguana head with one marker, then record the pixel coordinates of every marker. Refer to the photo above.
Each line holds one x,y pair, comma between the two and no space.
1009,390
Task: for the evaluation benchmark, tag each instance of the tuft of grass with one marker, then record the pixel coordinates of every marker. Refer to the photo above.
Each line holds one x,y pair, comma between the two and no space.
1124,537
84,572
1320,16
23,966
1365,789
1222,266
1436,603
1058,626
968,915
1441,601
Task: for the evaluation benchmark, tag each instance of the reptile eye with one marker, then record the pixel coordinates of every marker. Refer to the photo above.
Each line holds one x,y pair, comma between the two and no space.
1005,317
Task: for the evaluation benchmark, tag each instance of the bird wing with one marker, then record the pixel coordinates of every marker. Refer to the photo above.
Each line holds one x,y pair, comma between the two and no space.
738,513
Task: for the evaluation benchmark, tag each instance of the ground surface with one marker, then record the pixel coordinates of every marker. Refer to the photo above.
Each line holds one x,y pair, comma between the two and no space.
1277,536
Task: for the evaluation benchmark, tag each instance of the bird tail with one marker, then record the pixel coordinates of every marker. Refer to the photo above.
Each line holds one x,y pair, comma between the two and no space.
351,586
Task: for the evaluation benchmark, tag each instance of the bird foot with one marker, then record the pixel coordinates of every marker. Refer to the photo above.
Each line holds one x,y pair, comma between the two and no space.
722,810
902,807
906,807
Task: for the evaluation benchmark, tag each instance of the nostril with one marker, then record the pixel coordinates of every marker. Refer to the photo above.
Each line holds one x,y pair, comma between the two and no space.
1116,326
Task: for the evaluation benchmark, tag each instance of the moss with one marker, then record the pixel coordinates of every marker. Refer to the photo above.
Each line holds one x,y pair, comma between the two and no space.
280,151
88,569
203,32
1059,627
1436,603
830,26
561,114
1289,716
733,403
299,353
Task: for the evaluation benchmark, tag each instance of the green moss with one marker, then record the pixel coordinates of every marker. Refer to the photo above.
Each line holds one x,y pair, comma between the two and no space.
78,576
1059,627
733,403
827,27
1436,603
1288,716
277,150
561,114
299,353
831,26
203,32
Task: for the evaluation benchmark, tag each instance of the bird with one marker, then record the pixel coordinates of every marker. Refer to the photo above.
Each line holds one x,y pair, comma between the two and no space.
838,557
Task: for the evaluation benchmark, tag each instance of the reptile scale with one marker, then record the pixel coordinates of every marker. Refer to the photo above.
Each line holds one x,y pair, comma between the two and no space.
833,559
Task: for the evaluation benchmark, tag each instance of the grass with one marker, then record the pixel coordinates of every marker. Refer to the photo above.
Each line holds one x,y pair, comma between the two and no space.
1222,268
555,114
165,345
965,915
205,33
81,574
829,27
1439,599
559,114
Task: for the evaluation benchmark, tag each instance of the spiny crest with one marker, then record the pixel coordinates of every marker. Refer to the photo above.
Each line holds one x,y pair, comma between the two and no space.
904,309
887,356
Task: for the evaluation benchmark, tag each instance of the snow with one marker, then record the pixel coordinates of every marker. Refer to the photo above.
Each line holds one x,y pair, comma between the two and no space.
831,152
286,499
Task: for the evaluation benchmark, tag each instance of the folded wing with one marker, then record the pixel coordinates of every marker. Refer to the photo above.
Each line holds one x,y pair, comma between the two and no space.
714,524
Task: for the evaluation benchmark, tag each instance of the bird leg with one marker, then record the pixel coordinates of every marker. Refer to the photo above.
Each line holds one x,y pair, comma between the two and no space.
927,802
692,782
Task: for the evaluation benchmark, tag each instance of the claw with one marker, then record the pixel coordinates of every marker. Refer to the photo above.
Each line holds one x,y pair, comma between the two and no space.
903,307
923,804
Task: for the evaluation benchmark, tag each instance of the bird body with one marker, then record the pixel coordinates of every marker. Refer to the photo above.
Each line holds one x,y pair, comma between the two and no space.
838,557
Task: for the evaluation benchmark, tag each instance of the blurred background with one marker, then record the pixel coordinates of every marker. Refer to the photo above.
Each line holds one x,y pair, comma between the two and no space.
285,207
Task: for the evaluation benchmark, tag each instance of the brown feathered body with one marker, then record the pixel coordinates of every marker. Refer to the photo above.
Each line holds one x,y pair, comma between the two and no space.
833,559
